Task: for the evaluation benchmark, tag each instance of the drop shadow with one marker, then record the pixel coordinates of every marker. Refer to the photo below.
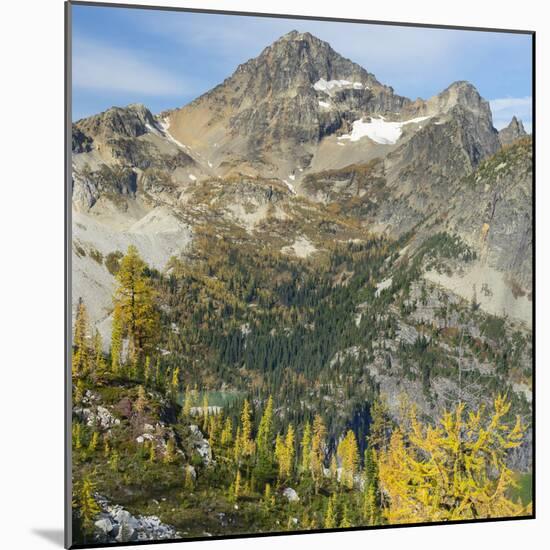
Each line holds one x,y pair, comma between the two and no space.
57,536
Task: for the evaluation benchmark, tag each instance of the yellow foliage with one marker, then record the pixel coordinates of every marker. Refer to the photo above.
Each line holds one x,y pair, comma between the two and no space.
306,447
330,514
348,453
85,502
134,308
246,443
141,401
455,470
318,450
284,453
227,432
81,352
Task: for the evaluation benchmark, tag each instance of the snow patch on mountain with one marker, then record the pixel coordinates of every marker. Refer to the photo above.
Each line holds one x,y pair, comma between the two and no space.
379,130
165,125
290,186
153,129
329,86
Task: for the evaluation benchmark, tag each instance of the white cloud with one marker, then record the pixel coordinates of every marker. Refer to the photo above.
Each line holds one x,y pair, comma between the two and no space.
505,108
101,67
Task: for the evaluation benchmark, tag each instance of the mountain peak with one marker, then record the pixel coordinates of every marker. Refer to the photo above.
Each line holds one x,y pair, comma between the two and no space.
461,84
463,94
130,122
296,61
275,106
463,91
517,125
297,35
513,131
299,39
303,45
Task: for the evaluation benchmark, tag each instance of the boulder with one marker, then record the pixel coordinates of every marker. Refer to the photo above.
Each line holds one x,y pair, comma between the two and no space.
118,525
126,533
192,472
291,495
145,436
201,445
105,419
124,407
104,525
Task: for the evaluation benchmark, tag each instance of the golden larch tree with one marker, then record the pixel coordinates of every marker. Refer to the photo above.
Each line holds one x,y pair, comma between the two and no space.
318,448
247,443
85,503
452,471
81,344
305,445
348,453
134,306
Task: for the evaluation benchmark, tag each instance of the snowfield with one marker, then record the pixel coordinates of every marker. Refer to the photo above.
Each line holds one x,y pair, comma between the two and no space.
379,130
152,129
328,86
165,125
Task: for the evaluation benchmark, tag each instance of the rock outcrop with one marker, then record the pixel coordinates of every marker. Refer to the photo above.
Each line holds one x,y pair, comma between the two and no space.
512,132
291,495
117,525
93,414
200,444
129,122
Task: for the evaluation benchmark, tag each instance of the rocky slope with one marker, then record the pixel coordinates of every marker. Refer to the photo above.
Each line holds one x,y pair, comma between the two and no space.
492,212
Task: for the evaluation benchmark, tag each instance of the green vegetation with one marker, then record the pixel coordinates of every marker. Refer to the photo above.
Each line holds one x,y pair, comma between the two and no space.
277,344
522,491
112,262
504,162
442,246
96,255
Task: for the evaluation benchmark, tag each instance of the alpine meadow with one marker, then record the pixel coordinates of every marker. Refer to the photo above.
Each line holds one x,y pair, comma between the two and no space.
300,301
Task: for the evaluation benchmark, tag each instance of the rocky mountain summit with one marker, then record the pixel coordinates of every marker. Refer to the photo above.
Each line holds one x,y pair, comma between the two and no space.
512,132
275,108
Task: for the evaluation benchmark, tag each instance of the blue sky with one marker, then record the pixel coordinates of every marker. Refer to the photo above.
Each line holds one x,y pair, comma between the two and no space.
166,59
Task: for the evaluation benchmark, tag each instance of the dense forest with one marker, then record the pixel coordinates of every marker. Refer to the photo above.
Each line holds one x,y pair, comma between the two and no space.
248,391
